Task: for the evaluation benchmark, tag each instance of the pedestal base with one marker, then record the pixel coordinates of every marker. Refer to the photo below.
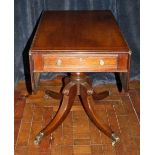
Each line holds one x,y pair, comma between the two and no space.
78,84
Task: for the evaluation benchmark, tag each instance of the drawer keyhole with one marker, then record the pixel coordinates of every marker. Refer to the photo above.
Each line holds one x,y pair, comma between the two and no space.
101,62
58,62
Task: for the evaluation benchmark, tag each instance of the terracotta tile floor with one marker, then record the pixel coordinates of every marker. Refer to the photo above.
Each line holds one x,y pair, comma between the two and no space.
77,135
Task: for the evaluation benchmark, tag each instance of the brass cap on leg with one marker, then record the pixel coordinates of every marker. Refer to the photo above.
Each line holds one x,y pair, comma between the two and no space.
115,139
38,138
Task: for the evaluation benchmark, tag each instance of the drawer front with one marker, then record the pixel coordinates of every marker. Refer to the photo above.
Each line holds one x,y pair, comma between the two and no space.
75,64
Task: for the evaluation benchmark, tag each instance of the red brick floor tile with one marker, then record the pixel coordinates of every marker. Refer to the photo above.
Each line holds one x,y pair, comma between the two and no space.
57,136
24,133
127,104
47,114
28,113
16,129
38,114
80,121
68,150
68,130
95,136
21,151
18,109
82,149
37,151
97,149
135,98
56,150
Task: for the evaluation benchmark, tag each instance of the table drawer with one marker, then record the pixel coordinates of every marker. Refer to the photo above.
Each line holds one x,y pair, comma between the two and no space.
85,63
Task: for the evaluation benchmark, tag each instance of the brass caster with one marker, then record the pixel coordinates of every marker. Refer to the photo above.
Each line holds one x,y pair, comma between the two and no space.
115,139
38,138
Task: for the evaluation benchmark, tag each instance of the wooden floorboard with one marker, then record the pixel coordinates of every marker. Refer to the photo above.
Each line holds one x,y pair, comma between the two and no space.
77,135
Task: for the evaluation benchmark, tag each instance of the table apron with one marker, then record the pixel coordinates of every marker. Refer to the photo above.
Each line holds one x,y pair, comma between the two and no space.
86,63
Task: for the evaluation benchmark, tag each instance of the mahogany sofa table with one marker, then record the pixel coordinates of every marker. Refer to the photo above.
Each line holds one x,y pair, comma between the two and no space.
78,42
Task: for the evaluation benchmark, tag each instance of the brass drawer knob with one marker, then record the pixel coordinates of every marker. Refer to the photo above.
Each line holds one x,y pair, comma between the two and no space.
58,62
101,62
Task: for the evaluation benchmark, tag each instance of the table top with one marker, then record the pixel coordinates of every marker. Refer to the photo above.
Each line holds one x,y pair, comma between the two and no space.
78,31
